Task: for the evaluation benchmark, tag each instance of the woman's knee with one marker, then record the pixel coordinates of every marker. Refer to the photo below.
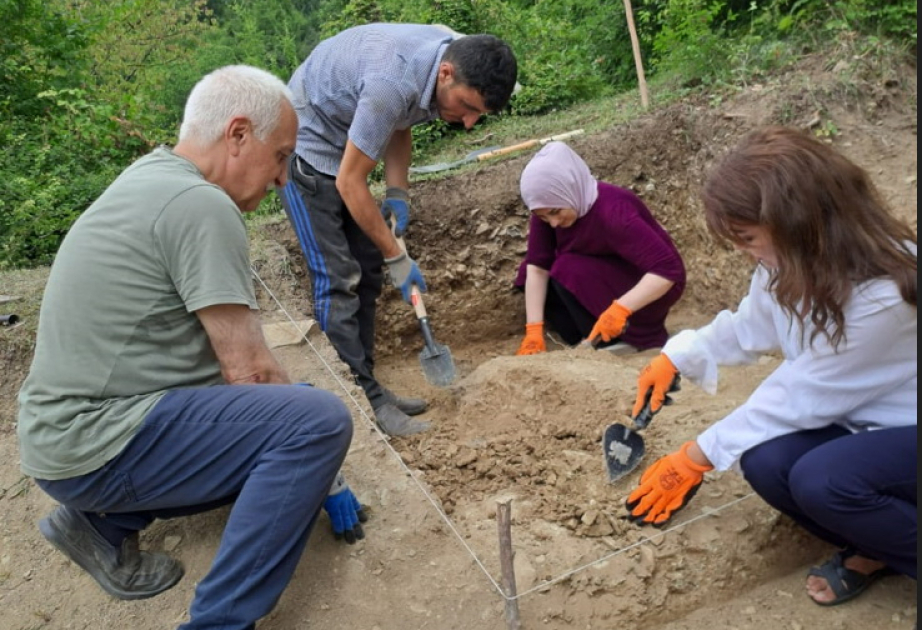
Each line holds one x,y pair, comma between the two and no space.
761,469
813,486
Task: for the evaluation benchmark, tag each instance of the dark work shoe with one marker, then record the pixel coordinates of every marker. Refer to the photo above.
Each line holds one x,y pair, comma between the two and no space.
126,573
409,406
395,422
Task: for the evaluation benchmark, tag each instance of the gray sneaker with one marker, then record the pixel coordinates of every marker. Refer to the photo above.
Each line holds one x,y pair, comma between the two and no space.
409,406
125,573
395,422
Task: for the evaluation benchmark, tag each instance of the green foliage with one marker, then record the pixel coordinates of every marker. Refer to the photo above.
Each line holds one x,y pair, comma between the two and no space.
40,49
690,39
86,86
894,19
49,175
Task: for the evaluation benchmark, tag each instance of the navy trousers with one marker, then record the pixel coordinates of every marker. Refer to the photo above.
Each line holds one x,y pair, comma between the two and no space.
346,269
572,321
853,490
271,450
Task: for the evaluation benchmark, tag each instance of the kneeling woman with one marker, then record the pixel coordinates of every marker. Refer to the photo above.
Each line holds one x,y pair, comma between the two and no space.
829,438
596,259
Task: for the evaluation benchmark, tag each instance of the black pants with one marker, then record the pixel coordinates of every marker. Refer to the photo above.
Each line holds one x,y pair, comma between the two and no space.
346,270
564,313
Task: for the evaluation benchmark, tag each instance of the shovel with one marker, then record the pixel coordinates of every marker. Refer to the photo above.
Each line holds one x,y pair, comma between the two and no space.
624,447
491,152
435,358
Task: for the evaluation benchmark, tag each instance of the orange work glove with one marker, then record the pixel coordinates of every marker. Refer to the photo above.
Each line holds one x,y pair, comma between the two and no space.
665,487
611,324
654,382
534,340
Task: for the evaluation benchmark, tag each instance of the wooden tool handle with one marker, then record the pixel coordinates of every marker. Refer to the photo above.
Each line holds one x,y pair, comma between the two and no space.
514,147
527,144
561,136
416,296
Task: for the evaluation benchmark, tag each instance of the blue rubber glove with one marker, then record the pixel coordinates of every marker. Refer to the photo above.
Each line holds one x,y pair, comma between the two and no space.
404,274
345,511
397,204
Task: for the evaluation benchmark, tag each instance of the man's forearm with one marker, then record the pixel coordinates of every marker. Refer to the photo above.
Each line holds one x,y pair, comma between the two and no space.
236,336
397,159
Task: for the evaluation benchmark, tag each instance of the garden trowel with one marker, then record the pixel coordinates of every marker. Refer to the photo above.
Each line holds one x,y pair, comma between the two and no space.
623,446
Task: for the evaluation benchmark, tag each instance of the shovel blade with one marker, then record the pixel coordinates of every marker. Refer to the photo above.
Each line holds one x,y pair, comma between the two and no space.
438,366
623,449
446,166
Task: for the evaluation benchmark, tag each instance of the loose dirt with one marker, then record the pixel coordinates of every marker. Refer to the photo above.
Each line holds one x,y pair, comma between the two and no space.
523,429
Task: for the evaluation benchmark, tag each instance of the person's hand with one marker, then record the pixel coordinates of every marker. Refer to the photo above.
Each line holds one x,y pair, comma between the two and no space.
655,381
533,343
611,323
345,511
665,487
404,274
397,204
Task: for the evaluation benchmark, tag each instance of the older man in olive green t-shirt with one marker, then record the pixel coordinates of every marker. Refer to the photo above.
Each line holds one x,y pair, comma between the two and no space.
152,393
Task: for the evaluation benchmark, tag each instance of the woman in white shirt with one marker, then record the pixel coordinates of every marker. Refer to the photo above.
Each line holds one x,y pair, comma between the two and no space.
829,438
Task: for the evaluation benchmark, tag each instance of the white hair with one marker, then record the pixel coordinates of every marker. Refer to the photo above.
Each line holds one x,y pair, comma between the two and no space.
233,91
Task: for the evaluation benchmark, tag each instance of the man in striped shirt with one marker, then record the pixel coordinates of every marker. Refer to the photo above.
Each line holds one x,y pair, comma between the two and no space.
357,96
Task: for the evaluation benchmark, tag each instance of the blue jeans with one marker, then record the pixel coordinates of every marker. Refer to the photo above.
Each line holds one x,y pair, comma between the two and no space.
271,450
850,489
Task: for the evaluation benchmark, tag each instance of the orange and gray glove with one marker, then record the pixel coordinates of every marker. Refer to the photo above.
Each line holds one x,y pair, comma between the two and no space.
533,343
665,487
655,381
611,323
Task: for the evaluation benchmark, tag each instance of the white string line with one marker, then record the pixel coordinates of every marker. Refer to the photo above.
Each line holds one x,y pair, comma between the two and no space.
384,438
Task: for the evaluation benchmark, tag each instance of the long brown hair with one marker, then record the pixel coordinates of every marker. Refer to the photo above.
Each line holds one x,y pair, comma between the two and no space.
828,223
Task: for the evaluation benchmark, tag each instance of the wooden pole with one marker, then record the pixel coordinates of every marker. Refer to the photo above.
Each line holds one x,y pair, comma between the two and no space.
506,556
638,63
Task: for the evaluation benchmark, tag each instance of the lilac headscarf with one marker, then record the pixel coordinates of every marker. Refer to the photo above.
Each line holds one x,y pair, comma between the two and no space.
558,178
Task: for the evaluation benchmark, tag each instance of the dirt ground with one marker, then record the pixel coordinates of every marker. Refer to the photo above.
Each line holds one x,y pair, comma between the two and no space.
523,429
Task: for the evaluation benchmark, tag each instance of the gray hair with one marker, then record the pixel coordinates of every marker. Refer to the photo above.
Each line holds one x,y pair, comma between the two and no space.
233,91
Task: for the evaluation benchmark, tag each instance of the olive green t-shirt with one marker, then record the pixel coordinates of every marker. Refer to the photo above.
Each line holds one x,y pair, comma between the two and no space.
117,327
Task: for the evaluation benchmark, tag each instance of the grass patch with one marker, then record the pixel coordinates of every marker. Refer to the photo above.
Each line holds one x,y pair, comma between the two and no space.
27,286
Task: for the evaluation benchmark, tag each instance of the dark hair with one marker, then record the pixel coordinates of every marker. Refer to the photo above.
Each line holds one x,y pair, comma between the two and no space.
829,226
487,64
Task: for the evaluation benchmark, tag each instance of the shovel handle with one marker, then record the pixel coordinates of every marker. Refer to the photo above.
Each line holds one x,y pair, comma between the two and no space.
528,144
416,299
416,296
514,147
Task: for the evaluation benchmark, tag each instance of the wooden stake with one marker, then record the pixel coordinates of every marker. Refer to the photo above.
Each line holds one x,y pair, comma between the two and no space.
506,556
635,44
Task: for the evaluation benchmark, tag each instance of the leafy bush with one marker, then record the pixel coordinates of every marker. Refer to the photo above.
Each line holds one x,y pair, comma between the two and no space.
86,86
51,173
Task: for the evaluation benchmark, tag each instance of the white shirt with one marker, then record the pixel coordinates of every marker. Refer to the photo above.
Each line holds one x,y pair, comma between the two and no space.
869,383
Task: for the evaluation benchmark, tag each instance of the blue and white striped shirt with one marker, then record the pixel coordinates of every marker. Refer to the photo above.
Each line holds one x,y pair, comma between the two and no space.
363,84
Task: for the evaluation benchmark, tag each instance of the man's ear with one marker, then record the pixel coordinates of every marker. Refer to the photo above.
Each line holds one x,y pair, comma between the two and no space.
237,133
446,72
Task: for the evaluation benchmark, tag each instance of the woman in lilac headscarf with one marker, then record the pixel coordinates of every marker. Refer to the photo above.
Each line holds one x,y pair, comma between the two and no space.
596,259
